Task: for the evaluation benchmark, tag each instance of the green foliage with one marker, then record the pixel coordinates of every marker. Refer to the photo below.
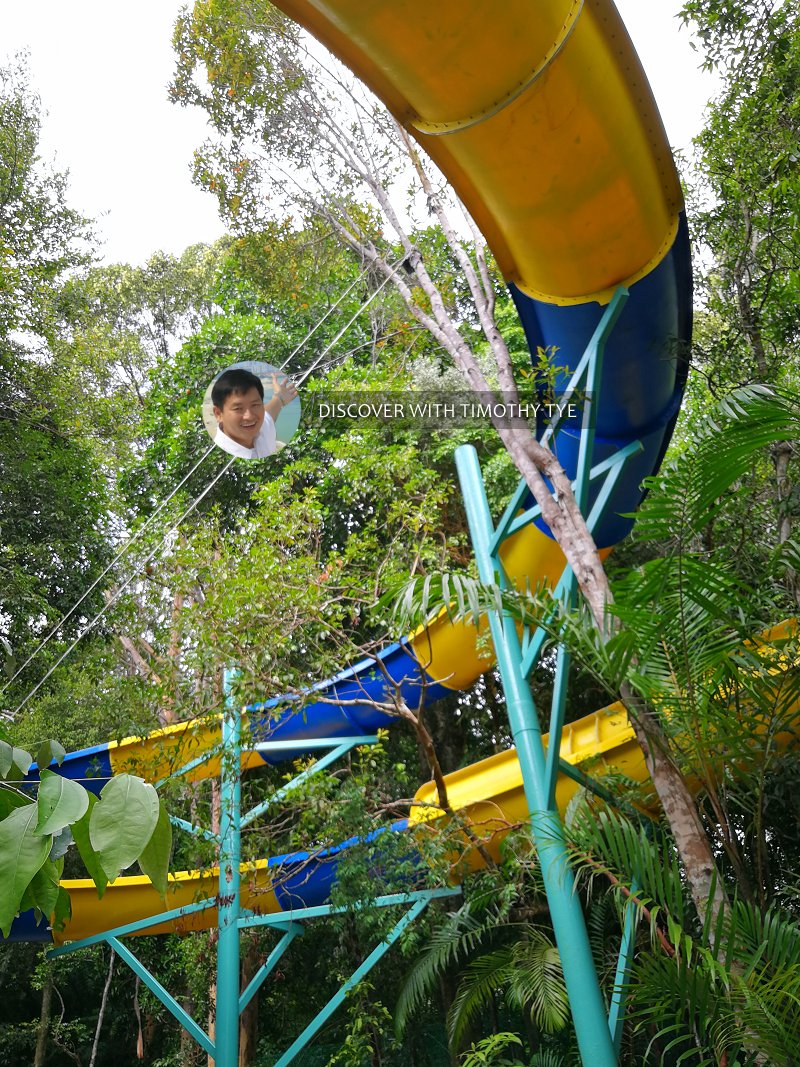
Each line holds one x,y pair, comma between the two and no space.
52,525
91,861
732,30
42,238
123,822
368,1022
529,972
498,1050
495,957
685,614
696,994
24,852
217,38
123,321
61,802
127,823
689,491
155,856
492,1051
53,508
725,707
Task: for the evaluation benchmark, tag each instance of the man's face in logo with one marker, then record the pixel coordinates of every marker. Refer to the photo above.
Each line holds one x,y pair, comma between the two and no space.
242,416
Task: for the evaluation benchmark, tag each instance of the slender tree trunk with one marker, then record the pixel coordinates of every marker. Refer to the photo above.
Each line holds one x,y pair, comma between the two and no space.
167,711
137,1011
102,1012
782,453
189,1051
679,807
43,1032
248,1023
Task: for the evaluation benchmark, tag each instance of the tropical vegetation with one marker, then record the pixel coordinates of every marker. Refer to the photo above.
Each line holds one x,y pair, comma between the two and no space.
289,576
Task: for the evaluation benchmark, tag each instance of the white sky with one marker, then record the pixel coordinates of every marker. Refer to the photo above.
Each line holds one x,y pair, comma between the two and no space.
101,69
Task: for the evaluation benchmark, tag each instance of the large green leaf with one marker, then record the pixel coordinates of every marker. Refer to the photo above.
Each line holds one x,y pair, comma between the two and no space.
154,861
61,842
48,751
91,861
14,762
10,799
61,802
44,888
122,822
22,853
63,909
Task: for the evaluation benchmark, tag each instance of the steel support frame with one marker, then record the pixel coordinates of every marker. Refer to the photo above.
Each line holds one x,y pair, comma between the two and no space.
232,917
598,1034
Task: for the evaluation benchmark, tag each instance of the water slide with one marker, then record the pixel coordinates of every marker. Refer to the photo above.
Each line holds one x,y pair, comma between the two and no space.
539,114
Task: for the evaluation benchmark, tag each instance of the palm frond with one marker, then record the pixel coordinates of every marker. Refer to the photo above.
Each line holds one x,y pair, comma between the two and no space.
537,981
735,992
550,1058
528,972
457,937
644,867
689,491
481,979
770,933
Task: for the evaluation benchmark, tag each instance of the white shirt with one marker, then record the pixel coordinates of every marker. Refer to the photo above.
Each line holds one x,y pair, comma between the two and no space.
264,445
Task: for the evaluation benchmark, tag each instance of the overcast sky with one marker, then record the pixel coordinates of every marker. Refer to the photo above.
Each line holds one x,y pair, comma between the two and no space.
101,69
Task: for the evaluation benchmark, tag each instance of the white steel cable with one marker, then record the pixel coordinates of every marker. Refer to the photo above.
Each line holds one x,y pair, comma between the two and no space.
121,589
99,578
188,511
347,325
135,537
327,314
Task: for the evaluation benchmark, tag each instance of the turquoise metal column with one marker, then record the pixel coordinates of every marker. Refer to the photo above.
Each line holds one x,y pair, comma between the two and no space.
588,1010
616,1013
226,1034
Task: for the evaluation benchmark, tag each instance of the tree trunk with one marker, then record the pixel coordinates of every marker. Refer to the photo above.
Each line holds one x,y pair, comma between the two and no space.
679,807
782,452
43,1032
102,1012
248,1022
188,1054
167,712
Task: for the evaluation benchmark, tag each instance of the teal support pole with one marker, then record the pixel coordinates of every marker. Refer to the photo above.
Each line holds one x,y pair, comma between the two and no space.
169,1002
137,927
319,911
196,831
588,1010
294,930
338,998
226,1035
616,1013
320,765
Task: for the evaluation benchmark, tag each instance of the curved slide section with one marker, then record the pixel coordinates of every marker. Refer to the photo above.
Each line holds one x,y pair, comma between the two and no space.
490,792
539,114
